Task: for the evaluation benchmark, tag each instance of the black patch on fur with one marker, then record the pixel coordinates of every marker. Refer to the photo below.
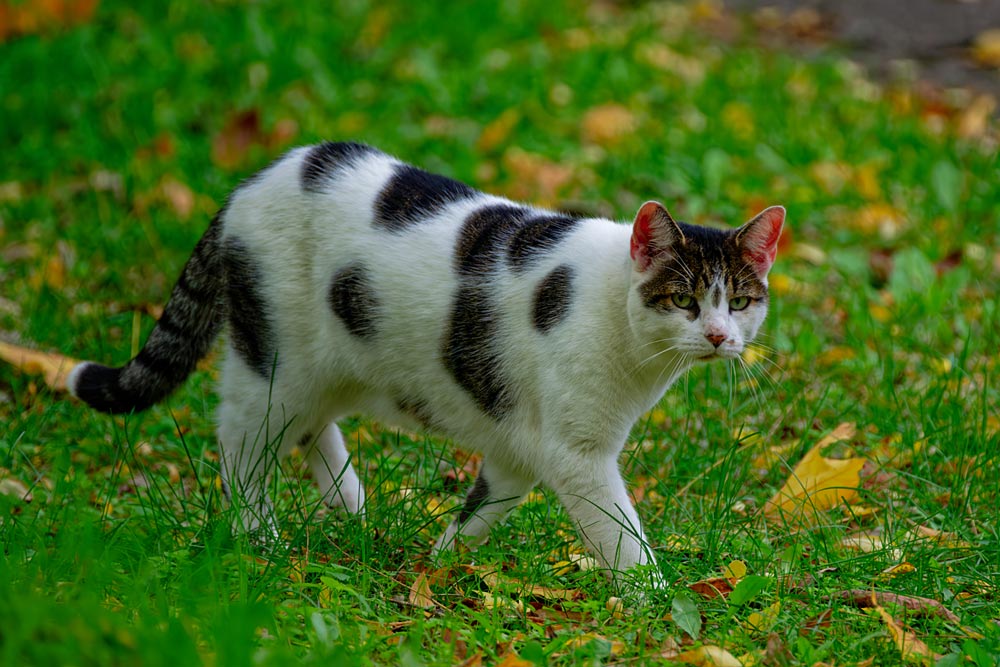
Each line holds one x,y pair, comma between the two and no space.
469,352
354,301
484,235
326,159
552,298
250,325
412,195
477,497
536,237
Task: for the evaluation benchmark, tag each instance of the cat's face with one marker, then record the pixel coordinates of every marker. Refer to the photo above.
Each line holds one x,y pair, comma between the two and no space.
699,291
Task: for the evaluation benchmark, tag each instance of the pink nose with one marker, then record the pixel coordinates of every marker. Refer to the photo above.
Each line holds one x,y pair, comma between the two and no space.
715,339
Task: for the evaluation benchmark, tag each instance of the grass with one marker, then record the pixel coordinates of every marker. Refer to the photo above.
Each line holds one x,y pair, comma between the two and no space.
123,134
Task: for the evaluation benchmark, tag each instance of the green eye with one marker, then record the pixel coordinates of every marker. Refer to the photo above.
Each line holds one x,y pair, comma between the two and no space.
684,301
739,303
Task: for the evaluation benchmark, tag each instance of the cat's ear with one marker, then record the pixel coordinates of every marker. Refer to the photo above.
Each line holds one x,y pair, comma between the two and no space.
758,239
654,232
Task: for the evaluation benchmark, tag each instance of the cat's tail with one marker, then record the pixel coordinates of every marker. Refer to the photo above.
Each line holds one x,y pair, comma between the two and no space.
184,334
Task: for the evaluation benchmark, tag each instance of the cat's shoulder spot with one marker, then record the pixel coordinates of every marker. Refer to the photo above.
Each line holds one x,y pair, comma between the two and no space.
328,158
483,235
536,237
552,298
412,195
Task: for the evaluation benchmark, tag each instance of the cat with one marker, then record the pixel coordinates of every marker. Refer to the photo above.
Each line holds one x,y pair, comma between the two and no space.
351,282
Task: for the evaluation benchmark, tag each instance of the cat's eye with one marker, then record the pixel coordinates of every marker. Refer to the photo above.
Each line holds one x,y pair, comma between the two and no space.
739,302
684,301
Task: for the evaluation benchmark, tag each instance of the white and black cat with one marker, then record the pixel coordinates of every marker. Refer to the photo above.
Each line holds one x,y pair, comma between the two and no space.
354,283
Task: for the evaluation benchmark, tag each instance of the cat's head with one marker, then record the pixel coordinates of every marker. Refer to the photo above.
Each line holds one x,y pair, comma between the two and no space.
698,290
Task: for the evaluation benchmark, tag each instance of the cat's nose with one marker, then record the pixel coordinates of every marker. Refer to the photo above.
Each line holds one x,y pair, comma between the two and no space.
715,339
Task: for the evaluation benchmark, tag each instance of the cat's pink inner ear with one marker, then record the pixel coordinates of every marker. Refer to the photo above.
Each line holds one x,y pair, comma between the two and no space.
759,238
648,233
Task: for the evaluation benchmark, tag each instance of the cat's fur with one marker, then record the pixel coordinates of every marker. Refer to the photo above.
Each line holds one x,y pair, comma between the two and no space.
352,283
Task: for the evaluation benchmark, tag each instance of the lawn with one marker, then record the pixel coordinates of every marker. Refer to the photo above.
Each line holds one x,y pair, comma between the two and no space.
874,384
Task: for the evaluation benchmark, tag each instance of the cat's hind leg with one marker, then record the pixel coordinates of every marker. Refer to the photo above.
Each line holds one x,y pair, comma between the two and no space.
496,492
331,467
255,430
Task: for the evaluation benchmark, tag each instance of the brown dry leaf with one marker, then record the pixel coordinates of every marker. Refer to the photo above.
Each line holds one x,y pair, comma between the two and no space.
26,18
708,656
533,178
496,131
717,587
52,367
865,599
817,483
241,132
606,125
420,591
910,646
986,48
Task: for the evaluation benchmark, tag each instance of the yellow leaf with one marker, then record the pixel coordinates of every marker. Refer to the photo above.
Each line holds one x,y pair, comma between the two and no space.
986,48
735,570
895,570
817,483
616,606
910,646
617,647
763,620
607,124
709,656
512,659
52,367
497,131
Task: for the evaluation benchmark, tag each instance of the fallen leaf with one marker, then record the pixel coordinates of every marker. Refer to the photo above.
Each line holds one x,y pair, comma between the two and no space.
507,585
905,567
11,486
817,483
762,621
420,591
910,646
608,124
26,18
52,367
709,656
986,48
865,599
616,647
496,131
716,587
512,659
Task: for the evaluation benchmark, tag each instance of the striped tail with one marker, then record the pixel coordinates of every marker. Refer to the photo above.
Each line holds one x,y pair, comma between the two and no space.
184,334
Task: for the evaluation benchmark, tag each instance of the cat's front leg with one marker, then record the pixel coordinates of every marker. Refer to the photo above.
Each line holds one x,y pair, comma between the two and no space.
331,467
496,492
591,488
